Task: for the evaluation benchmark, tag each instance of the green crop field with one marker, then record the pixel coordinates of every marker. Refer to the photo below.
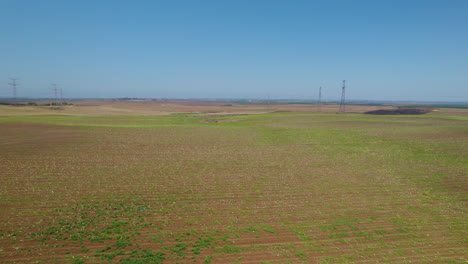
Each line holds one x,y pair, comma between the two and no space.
265,188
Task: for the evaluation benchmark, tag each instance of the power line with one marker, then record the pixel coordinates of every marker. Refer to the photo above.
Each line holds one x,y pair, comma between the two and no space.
342,104
13,86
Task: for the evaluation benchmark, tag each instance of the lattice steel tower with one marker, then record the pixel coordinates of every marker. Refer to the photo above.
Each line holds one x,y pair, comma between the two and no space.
13,86
343,103
56,91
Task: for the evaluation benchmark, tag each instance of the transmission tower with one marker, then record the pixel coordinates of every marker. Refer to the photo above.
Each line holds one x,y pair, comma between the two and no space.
319,102
13,84
343,104
56,90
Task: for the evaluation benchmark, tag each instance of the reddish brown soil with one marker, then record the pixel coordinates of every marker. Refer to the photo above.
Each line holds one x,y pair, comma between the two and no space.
274,201
106,107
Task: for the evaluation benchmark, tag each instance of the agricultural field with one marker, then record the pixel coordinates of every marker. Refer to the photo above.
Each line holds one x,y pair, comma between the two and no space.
131,183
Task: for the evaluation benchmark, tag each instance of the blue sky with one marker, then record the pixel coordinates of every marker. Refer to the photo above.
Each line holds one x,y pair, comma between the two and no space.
385,49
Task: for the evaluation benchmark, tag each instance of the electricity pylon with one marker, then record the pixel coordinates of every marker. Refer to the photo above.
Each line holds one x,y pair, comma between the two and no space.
343,102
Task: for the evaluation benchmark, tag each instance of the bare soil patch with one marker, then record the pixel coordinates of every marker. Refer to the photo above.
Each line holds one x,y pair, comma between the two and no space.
167,107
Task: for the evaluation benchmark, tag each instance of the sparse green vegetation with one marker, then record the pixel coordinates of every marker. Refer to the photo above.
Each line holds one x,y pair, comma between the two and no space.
288,187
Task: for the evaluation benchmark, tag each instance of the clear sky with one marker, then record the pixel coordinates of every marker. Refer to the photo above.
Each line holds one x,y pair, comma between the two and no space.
385,49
